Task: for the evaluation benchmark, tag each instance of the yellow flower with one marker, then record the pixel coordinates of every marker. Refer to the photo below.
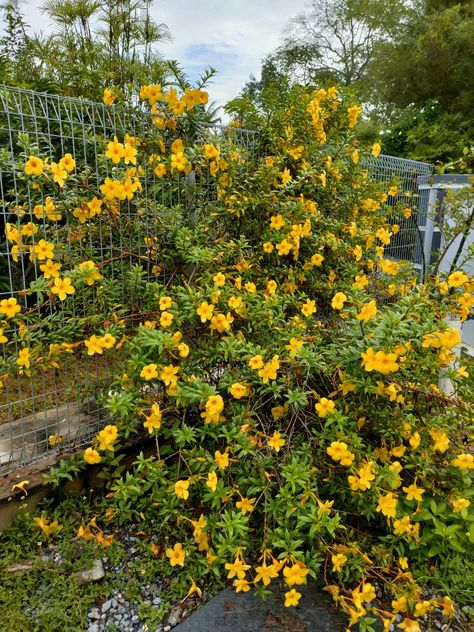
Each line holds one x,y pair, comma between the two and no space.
42,250
381,362
115,151
153,421
413,492
269,371
183,350
421,608
219,279
194,589
108,97
458,278
338,300
9,307
360,282
237,568
277,222
308,308
213,409
221,322
459,504
165,303
464,462
338,562
176,555
149,372
276,442
221,460
256,362
59,174
34,166
166,319
107,341
67,162
376,149
47,526
169,375
294,346
339,451
246,505
403,562
91,456
21,487
353,114
24,356
284,247
400,605
205,311
387,505
278,412
317,259
181,489
368,311
62,287
91,274
238,390
292,598
160,170
265,573
325,406
211,481
179,161
241,585
296,574
409,625
268,247
94,345
107,436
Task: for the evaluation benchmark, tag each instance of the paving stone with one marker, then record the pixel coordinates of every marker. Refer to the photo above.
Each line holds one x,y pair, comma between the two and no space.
247,613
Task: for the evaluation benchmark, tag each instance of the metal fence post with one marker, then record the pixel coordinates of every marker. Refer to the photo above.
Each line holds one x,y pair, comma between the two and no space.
429,228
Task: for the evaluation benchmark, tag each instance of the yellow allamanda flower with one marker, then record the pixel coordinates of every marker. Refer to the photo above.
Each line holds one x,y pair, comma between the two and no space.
62,287
276,442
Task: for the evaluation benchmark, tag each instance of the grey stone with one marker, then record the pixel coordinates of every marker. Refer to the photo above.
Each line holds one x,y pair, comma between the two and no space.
107,605
93,627
93,574
156,601
94,614
246,612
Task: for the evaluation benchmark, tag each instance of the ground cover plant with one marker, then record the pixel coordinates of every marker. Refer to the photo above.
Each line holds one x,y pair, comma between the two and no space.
286,369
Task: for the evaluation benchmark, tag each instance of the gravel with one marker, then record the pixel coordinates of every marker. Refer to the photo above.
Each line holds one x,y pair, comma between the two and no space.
117,613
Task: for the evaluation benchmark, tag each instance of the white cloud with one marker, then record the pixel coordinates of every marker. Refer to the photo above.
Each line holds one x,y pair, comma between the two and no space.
236,34
231,35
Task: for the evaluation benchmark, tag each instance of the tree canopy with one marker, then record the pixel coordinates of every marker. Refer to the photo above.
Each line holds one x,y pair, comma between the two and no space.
412,62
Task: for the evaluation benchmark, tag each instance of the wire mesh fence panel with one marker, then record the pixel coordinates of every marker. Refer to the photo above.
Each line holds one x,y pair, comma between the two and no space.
71,215
66,210
406,243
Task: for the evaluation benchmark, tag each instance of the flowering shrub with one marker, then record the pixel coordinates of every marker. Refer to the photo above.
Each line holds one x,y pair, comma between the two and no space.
288,371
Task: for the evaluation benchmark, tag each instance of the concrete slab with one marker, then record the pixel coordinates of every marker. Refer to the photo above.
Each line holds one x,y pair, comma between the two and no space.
244,612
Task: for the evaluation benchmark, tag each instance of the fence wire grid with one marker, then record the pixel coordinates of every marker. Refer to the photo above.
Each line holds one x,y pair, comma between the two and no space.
60,402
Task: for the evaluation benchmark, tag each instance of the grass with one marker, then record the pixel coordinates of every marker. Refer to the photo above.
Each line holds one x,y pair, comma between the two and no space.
48,598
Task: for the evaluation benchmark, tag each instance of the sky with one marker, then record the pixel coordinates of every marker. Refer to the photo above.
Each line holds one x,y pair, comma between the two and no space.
233,36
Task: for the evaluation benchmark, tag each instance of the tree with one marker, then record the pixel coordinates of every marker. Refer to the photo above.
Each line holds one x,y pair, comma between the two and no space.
15,64
335,40
94,45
